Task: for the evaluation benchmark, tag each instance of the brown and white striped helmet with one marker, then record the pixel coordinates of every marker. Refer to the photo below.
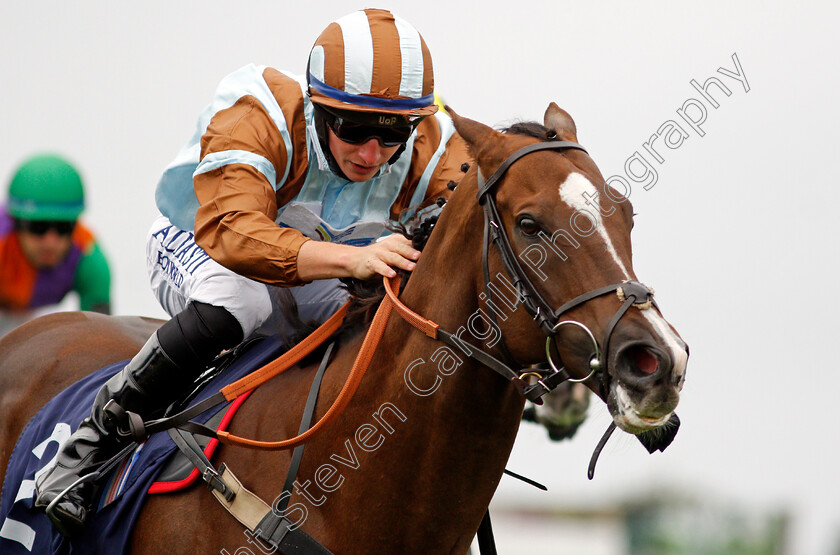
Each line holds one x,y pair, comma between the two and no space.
372,61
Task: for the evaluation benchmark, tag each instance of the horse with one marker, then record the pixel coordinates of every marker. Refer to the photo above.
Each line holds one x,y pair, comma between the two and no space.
413,460
562,412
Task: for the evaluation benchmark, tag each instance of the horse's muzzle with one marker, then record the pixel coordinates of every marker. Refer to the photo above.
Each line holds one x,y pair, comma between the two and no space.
645,379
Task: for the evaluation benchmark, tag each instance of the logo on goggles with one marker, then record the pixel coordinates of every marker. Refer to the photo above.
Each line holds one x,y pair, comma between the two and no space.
359,133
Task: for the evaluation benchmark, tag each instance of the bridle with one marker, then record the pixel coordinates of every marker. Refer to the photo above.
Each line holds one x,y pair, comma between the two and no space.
631,293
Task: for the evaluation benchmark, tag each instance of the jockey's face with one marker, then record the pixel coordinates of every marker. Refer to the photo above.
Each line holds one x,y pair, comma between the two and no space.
360,162
44,248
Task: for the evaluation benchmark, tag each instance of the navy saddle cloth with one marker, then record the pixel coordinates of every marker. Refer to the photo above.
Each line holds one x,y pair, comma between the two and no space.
25,530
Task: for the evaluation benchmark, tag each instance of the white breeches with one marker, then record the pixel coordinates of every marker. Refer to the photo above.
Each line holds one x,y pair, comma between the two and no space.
180,272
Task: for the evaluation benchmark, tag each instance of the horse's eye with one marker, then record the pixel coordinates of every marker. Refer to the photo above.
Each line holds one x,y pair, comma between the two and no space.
528,226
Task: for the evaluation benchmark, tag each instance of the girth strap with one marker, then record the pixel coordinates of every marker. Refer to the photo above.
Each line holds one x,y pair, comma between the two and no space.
305,422
189,446
277,531
259,517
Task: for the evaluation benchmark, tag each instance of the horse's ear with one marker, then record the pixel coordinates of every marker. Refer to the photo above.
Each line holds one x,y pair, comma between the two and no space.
561,122
481,138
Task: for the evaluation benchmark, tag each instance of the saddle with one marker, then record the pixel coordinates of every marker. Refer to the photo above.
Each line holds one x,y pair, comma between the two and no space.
149,468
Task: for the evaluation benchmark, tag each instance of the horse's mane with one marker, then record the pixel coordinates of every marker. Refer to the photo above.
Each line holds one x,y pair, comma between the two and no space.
365,296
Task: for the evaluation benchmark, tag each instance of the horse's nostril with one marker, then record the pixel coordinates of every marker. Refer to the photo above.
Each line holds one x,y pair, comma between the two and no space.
642,360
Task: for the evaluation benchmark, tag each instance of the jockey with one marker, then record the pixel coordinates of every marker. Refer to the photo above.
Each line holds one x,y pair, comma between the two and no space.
45,252
287,185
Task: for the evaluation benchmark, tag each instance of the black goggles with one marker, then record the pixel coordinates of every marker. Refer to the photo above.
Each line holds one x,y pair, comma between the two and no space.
356,133
41,227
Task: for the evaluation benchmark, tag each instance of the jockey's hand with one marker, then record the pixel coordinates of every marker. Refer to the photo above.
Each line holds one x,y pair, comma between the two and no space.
323,260
395,251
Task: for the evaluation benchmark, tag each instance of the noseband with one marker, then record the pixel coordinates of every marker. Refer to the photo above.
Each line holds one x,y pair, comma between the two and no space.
631,293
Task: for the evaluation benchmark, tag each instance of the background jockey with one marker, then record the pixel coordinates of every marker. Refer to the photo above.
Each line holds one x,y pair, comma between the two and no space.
44,251
287,183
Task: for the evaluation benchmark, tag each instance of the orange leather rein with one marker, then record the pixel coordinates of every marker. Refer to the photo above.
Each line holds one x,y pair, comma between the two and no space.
318,337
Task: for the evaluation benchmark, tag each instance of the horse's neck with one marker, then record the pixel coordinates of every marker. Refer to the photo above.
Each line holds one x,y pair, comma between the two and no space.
443,286
460,418
444,289
444,434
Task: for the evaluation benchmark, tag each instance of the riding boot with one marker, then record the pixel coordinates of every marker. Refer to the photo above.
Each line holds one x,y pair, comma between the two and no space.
162,372
147,384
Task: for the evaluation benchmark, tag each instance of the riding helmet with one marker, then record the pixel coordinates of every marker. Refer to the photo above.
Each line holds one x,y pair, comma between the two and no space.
372,61
46,187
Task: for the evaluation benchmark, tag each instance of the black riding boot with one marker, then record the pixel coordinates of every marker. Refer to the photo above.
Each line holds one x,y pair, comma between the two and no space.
148,383
163,371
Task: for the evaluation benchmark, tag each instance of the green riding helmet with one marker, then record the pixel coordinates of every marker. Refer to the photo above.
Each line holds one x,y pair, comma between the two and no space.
46,187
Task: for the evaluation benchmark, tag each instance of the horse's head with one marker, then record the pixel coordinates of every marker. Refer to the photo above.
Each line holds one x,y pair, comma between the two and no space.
567,236
563,410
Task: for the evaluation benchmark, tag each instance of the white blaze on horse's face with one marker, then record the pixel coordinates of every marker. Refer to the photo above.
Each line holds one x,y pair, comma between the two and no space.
574,192
675,345
632,410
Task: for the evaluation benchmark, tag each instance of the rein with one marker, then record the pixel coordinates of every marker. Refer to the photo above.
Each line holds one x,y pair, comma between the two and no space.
631,293
277,366
360,366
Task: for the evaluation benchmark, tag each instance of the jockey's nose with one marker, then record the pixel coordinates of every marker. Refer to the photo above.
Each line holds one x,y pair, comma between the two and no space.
371,152
52,237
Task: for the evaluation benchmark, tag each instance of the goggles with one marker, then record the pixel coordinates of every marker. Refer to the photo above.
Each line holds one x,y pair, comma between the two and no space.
41,227
356,133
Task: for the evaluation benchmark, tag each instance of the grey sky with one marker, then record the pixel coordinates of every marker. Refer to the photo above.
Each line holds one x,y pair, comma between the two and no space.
737,235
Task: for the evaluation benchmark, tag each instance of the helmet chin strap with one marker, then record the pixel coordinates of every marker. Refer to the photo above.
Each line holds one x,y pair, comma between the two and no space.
397,154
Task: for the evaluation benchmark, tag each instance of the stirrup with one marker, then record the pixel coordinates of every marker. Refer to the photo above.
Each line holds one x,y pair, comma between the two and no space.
50,510
106,467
